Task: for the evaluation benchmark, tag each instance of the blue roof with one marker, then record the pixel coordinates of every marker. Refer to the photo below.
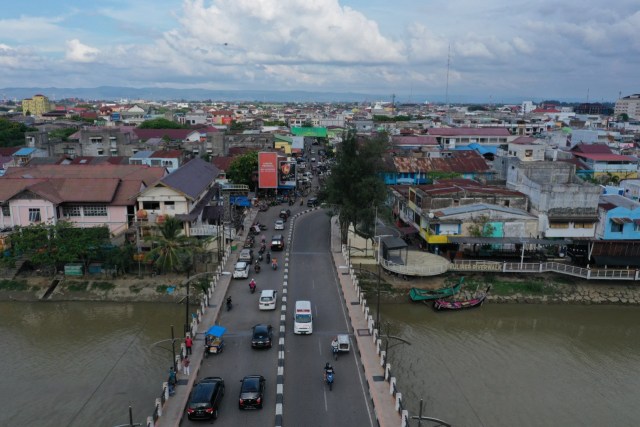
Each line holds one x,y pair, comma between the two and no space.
24,151
483,149
142,154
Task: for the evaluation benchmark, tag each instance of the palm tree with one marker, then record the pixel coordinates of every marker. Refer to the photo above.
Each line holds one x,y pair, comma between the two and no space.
171,249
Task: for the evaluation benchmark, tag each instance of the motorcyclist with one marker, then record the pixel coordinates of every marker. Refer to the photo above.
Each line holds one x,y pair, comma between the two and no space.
328,369
229,304
252,284
268,257
256,267
334,345
274,263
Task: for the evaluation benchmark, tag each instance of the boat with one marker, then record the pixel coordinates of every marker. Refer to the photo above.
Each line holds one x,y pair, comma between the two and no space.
417,294
443,304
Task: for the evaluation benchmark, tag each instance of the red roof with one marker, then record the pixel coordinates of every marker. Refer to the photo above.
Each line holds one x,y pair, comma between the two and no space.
605,157
467,161
591,148
468,132
222,163
525,140
167,154
414,140
545,110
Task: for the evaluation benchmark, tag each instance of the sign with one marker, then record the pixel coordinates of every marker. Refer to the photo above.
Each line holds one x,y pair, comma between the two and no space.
287,174
267,170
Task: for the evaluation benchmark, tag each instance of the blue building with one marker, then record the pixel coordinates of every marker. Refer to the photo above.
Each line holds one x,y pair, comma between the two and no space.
619,218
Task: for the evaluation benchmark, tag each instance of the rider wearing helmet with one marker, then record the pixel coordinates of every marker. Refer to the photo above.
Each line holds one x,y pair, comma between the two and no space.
334,344
328,368
252,284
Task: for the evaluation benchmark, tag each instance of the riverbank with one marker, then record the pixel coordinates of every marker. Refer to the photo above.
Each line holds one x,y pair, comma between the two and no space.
514,289
543,288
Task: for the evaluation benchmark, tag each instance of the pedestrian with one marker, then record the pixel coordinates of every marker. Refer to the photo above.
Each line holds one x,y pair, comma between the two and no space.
188,343
172,381
185,366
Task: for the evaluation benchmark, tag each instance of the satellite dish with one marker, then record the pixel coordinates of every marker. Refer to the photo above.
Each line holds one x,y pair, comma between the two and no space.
431,215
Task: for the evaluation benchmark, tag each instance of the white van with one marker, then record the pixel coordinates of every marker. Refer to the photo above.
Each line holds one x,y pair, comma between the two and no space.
303,318
268,299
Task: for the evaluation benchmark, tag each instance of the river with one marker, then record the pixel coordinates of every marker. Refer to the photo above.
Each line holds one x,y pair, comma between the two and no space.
83,363
518,365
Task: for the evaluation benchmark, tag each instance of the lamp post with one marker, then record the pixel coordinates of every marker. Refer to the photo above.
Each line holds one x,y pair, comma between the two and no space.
173,348
421,418
378,302
131,424
387,346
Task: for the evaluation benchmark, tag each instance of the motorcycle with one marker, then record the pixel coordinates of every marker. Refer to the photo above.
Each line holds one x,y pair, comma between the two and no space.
334,350
268,257
256,267
252,287
259,256
329,378
229,304
274,264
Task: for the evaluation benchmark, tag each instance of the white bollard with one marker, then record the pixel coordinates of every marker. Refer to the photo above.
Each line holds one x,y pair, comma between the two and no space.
159,406
405,417
387,371
183,351
165,387
381,358
149,421
378,345
398,399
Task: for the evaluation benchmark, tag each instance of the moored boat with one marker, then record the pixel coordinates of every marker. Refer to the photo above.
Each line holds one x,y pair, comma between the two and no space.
417,294
443,304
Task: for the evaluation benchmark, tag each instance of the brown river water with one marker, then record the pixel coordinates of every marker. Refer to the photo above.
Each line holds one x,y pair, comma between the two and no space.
84,363
518,365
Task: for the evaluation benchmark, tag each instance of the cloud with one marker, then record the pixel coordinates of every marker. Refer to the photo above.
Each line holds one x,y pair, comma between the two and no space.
79,52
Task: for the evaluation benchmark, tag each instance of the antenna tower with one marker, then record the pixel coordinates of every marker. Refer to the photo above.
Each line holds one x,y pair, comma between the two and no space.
446,96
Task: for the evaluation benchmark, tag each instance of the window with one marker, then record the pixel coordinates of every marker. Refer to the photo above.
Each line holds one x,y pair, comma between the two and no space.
71,211
528,153
6,211
559,225
170,206
34,215
98,210
583,225
636,223
616,228
506,203
151,206
100,152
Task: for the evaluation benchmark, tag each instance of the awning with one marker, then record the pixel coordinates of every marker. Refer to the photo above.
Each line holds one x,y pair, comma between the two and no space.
405,231
508,240
216,331
392,243
621,220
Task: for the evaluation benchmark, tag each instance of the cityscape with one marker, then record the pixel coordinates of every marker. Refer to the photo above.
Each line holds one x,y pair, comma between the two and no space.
320,213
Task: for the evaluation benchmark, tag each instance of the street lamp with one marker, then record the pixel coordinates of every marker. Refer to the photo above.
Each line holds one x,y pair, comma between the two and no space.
131,424
421,418
173,348
390,337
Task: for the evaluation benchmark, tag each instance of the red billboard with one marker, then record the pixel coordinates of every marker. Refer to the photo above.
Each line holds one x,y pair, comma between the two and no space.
268,170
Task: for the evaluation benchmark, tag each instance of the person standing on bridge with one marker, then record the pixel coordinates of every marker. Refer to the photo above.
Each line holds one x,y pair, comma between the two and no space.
188,343
185,366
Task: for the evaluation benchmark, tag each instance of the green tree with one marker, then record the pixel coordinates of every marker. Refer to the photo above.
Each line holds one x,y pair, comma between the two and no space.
355,186
161,123
63,133
624,117
12,133
481,227
171,247
242,169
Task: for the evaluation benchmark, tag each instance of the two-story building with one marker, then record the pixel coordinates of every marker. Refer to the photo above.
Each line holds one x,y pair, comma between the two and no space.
619,218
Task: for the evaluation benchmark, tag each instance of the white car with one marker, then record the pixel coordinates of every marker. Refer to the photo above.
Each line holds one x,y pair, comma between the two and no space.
268,299
241,271
279,225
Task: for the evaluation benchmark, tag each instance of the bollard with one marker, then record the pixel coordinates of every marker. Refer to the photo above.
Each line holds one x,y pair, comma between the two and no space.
405,418
183,351
364,304
381,353
387,371
398,399
366,313
149,421
392,385
159,406
378,345
178,358
165,390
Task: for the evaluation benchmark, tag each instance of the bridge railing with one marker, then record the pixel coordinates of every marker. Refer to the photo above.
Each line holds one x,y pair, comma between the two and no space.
414,270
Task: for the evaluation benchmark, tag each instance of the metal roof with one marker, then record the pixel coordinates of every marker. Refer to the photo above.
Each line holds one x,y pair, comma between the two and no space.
509,240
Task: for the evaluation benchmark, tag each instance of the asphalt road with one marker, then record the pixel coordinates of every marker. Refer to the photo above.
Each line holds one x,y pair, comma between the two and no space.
312,276
238,358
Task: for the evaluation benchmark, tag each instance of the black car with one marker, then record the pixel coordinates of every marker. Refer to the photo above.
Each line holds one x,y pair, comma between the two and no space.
251,392
262,336
205,399
277,242
312,202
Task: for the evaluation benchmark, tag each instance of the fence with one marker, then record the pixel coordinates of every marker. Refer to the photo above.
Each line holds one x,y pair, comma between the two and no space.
375,334
193,328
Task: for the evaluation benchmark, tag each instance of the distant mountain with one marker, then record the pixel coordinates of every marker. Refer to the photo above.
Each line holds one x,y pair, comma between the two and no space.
165,94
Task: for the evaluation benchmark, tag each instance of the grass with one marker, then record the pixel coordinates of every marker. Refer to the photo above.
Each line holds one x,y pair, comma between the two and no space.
103,286
161,289
78,286
13,285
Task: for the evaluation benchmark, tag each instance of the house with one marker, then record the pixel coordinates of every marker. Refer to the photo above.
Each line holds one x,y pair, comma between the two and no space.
449,138
619,218
599,160
87,196
168,159
525,148
183,194
565,205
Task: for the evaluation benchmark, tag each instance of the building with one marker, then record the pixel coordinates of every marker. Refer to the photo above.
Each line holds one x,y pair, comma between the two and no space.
629,105
449,138
36,106
619,218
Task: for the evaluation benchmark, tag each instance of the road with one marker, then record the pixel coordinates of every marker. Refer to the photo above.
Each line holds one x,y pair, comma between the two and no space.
312,276
238,358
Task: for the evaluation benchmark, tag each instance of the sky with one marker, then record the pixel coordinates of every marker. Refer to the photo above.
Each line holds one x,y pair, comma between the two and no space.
490,50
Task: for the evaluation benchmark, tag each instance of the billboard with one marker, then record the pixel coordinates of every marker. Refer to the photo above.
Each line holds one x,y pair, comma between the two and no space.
287,173
267,170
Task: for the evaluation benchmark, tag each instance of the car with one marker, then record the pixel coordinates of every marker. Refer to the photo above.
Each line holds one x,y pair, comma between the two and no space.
313,159
284,214
277,242
246,255
205,398
251,392
279,225
241,271
268,299
312,202
262,336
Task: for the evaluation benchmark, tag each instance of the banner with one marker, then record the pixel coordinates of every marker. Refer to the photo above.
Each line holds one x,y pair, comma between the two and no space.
267,170
287,174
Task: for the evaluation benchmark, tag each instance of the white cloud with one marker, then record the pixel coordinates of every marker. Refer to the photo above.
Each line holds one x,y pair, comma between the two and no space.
79,52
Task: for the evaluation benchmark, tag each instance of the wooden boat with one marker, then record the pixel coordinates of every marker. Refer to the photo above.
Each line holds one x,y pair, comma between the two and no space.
417,294
443,304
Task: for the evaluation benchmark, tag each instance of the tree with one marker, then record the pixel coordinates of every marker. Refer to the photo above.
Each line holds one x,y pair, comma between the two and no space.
171,247
161,123
62,133
481,227
355,186
12,133
624,117
242,168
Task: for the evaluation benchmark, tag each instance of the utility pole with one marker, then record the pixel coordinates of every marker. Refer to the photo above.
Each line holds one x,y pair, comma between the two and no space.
421,418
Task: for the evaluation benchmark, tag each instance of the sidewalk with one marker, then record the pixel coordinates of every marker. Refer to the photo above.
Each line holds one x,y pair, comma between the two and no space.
174,407
383,401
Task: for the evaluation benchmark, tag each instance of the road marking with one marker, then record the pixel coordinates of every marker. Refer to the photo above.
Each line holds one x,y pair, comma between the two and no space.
284,298
324,390
319,348
279,409
279,390
282,317
281,341
282,329
281,355
280,370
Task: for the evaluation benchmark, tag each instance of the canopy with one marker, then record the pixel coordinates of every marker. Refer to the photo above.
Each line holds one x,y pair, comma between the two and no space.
216,331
